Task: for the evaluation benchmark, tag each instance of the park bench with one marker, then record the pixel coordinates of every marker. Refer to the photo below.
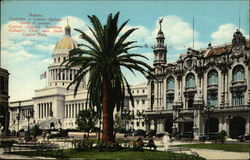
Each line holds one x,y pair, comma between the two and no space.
149,146
40,148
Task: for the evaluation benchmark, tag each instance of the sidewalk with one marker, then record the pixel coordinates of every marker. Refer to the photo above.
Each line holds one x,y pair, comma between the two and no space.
12,156
212,154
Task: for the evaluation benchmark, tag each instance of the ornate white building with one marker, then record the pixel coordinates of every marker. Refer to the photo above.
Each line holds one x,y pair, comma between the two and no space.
203,91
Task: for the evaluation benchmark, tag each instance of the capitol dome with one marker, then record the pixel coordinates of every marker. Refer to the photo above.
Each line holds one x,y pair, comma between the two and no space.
67,42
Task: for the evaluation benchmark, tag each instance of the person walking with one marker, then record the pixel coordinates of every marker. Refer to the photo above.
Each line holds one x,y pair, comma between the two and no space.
166,141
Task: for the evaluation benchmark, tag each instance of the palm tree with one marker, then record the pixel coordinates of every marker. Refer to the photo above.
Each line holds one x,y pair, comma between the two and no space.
103,57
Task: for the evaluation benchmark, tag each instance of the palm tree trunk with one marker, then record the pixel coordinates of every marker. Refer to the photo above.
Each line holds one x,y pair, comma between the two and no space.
107,110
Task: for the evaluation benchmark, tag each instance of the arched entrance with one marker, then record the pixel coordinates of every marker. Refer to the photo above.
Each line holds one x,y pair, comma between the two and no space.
52,125
212,125
237,127
188,127
168,125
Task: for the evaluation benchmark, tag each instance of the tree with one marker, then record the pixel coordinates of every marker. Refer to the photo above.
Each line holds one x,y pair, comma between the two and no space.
86,120
119,124
102,57
35,131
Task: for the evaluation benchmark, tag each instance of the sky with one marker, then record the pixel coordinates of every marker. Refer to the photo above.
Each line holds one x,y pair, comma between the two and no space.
27,56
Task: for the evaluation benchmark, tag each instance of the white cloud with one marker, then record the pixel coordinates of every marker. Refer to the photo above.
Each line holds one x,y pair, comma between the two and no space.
45,48
15,57
178,33
224,34
47,61
25,42
74,22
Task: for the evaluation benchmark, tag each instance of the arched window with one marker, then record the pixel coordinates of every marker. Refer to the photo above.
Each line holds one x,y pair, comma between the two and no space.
238,73
213,77
170,83
190,80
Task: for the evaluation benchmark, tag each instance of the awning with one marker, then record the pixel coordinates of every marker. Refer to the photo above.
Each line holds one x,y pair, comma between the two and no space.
183,119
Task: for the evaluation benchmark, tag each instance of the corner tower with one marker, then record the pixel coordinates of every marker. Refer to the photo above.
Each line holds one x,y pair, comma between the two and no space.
160,50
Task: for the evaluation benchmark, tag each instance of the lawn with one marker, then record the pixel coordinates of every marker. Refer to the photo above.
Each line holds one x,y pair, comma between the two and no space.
124,154
225,147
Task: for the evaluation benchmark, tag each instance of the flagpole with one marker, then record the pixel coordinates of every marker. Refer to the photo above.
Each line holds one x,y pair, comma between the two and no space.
46,78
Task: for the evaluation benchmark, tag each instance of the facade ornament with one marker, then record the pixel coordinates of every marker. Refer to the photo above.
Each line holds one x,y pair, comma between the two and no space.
198,99
238,42
224,64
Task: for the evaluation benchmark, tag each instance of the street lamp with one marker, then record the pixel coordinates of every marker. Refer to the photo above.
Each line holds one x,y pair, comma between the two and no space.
18,119
208,110
30,115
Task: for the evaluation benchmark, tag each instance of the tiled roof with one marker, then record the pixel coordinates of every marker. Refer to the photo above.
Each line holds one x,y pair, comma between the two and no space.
216,50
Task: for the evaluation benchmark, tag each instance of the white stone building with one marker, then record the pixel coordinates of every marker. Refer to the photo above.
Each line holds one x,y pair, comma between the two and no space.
203,91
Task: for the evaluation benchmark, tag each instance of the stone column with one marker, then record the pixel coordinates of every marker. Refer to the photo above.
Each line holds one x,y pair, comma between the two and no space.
247,132
72,110
226,125
42,111
160,125
197,124
221,123
76,109
69,111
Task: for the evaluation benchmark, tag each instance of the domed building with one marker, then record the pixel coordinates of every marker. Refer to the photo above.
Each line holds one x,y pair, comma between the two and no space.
52,107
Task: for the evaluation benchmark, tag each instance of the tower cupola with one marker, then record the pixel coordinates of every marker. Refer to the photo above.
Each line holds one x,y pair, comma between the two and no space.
160,50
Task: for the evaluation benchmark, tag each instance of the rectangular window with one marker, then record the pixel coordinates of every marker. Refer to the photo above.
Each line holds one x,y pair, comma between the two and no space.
170,103
237,98
143,101
212,100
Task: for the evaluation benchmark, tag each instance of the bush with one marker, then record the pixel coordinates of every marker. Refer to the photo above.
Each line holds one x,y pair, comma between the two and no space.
108,146
6,145
82,145
36,131
222,136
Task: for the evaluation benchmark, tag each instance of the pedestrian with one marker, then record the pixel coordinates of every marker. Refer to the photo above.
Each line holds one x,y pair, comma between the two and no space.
166,141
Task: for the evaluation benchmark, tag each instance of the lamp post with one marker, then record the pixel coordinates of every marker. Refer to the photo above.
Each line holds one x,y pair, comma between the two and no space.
208,110
30,115
18,119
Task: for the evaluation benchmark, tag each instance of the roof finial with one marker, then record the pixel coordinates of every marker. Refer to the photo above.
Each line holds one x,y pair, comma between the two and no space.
160,21
67,21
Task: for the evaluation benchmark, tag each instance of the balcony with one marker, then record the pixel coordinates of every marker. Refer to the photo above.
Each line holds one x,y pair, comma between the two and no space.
190,91
232,108
212,87
238,85
170,92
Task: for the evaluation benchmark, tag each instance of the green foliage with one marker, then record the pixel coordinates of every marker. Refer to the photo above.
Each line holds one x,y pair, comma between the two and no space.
36,131
86,120
122,154
222,136
108,146
82,145
119,124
